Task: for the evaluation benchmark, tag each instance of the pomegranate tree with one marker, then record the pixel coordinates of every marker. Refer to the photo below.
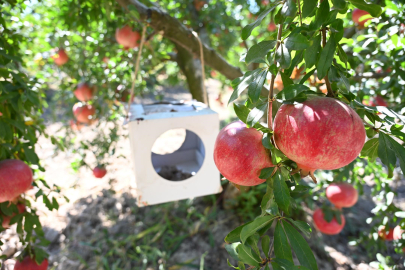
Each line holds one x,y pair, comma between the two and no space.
342,194
332,227
240,155
83,92
99,171
15,178
29,263
84,113
320,133
127,38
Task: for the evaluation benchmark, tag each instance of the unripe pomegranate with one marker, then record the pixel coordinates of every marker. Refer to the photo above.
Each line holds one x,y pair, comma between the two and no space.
342,194
397,233
386,235
99,171
127,38
240,155
15,179
61,57
7,219
83,92
272,26
84,113
30,264
357,14
320,133
332,227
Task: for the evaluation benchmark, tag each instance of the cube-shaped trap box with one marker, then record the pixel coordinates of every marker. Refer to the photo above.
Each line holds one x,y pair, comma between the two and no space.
189,171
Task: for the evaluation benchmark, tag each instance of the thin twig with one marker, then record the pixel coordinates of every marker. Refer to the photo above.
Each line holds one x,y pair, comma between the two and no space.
273,77
299,10
328,86
138,58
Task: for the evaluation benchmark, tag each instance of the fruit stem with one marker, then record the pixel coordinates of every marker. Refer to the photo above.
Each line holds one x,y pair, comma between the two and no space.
273,77
328,86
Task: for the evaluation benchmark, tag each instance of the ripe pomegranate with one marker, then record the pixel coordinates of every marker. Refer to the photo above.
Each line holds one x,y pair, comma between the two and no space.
357,14
397,233
84,113
15,179
240,155
83,92
199,4
127,38
213,74
7,219
61,57
30,264
386,235
99,171
342,194
325,227
272,26
379,101
320,133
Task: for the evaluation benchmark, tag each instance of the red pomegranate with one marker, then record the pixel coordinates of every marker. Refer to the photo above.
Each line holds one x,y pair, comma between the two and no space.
379,101
240,155
7,219
320,133
99,171
342,194
83,92
357,14
386,235
325,227
272,26
30,264
126,37
15,178
61,57
397,233
84,113
199,4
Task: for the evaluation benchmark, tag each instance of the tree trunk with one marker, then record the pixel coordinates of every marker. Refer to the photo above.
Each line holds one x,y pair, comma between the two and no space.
191,68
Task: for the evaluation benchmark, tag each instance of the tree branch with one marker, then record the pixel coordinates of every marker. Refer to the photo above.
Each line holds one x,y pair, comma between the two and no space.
178,33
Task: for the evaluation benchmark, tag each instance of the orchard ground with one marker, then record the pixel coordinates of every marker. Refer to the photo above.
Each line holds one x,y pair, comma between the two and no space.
102,225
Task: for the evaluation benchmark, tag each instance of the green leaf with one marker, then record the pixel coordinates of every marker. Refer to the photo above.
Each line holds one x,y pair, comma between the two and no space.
255,87
257,53
30,154
342,55
297,42
370,149
254,226
312,53
302,226
306,77
241,111
286,79
289,9
309,7
322,14
241,84
300,247
374,10
231,249
268,205
281,192
399,152
247,30
286,265
234,235
256,114
283,56
253,242
266,245
327,56
339,4
282,248
245,255
291,91
385,153
299,190
266,141
266,172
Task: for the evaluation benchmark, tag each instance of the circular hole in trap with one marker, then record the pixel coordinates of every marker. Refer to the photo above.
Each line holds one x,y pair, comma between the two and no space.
177,154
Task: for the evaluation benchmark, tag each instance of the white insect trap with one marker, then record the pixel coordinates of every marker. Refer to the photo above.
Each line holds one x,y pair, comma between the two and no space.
194,158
